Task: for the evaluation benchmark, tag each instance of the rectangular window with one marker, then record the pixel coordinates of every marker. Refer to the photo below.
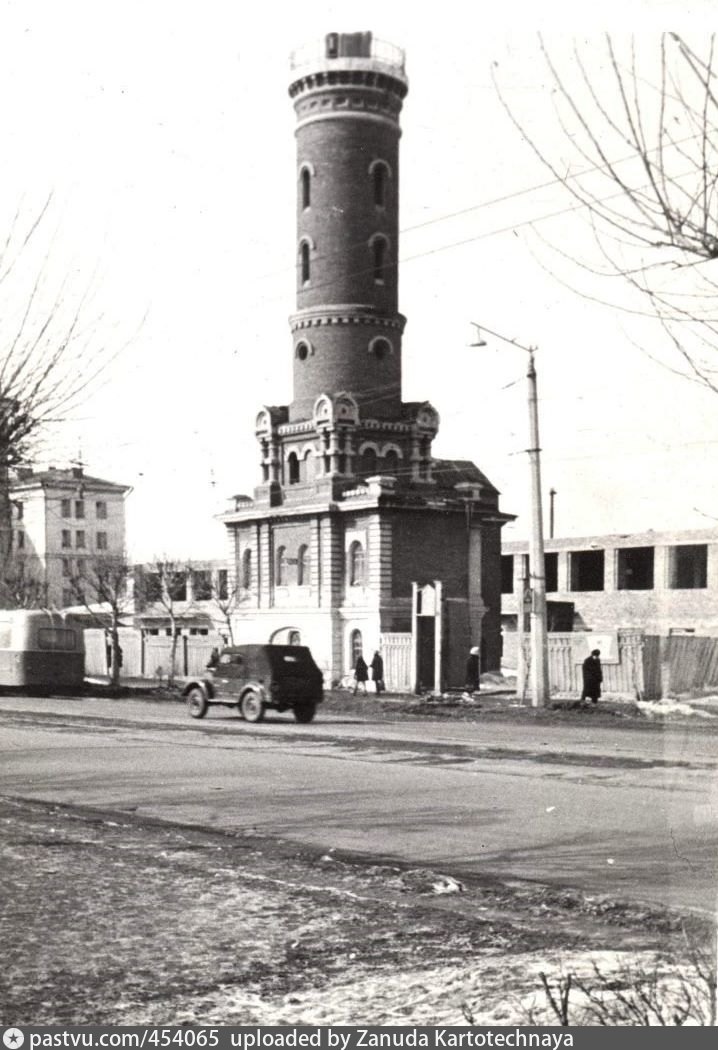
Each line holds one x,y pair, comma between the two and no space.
587,570
58,638
635,569
67,596
81,566
177,586
507,574
79,508
201,585
551,564
66,538
223,584
80,538
67,566
152,587
66,508
688,566
102,541
101,509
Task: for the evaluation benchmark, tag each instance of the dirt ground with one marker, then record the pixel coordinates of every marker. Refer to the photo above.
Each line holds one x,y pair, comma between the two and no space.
112,920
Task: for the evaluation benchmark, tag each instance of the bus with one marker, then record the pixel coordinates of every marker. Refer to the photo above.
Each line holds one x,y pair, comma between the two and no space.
41,652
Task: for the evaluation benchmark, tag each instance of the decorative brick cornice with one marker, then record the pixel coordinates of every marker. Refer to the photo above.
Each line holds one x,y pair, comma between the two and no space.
317,317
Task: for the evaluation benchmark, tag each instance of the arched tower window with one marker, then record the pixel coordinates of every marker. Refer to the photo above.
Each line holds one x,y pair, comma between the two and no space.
304,265
380,175
281,563
306,187
303,565
247,570
356,564
302,350
380,255
380,348
357,646
293,468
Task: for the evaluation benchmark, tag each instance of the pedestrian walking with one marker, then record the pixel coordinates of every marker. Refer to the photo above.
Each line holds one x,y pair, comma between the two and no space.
361,674
377,671
592,677
473,672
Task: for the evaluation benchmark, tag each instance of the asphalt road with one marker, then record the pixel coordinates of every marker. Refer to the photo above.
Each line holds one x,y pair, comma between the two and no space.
633,814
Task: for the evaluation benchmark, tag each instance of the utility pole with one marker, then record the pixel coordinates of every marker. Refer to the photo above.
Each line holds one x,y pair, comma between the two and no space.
537,561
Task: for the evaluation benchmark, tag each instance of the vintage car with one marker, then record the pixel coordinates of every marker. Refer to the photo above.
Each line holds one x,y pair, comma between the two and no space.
253,678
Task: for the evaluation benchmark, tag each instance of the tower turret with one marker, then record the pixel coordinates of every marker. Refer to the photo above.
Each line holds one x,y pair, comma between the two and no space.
348,93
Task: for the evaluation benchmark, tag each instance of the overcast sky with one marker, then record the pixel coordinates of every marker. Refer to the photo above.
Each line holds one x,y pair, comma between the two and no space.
165,132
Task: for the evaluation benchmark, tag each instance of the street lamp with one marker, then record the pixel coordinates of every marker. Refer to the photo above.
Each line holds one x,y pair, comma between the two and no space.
537,562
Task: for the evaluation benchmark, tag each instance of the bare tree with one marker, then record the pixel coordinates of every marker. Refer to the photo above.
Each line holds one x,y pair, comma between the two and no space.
20,586
101,584
224,599
162,583
639,124
54,343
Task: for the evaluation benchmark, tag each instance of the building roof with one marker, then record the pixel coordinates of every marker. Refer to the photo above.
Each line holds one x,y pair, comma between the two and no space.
64,477
618,539
451,472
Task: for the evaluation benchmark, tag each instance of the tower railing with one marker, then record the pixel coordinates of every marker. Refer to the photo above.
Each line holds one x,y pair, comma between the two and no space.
317,53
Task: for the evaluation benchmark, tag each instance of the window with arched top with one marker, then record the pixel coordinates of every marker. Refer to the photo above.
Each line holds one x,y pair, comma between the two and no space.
380,254
356,564
380,348
368,462
356,644
306,184
303,566
380,177
247,570
280,577
302,350
391,462
293,468
304,265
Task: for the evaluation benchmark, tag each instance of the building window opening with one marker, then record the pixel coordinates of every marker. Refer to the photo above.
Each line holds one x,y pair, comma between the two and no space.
294,638
293,468
304,262
177,586
368,463
356,645
551,569
303,566
635,569
281,566
587,570
223,585
306,188
356,564
381,348
247,570
79,508
507,574
66,508
201,585
688,567
379,249
302,351
380,173
101,508
391,462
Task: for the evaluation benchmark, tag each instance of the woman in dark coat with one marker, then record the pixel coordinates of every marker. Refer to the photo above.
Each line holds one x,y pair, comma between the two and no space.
592,677
377,671
361,673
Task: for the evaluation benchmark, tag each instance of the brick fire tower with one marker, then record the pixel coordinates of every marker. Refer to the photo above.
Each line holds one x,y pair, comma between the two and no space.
357,538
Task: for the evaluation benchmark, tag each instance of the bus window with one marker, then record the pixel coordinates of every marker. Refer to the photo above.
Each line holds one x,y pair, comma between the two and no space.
58,638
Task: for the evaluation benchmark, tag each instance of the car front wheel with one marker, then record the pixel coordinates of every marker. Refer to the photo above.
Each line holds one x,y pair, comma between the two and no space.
305,712
197,702
252,707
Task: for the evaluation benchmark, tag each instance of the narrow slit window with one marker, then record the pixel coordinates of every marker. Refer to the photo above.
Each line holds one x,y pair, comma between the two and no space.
380,254
304,262
306,188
